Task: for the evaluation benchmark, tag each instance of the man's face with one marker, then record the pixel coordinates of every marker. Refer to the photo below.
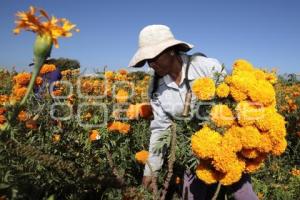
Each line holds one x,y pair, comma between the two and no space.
161,63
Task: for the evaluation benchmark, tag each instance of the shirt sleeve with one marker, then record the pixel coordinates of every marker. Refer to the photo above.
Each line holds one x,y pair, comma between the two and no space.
206,67
159,125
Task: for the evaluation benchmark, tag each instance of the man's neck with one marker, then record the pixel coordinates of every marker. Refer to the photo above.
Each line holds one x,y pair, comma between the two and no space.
175,73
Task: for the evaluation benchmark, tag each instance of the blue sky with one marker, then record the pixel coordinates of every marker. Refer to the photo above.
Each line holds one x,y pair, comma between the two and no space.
265,32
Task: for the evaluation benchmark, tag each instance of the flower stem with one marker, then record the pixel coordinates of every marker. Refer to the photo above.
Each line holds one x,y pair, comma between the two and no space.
217,192
39,61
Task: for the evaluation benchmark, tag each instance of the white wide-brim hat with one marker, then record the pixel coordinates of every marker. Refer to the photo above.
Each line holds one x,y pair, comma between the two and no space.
153,40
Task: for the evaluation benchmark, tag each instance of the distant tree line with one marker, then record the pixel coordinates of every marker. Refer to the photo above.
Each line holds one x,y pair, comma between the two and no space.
64,63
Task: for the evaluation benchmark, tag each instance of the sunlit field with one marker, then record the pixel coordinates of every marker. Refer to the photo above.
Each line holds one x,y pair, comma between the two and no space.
87,136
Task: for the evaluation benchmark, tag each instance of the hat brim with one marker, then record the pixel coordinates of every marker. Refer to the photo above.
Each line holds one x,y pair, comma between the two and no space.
149,52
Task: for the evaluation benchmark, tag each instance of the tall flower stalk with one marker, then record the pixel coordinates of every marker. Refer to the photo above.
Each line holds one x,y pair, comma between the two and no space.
48,30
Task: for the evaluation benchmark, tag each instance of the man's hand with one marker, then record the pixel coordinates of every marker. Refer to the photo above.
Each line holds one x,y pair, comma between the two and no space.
149,182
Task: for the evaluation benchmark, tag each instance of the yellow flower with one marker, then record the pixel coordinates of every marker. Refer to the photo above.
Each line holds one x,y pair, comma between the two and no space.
250,153
271,77
224,160
205,142
142,156
279,146
265,146
206,173
109,75
250,137
231,141
46,68
56,138
243,80
253,165
237,95
247,113
221,115
271,120
259,74
262,92
232,176
122,96
242,65
44,25
223,90
204,88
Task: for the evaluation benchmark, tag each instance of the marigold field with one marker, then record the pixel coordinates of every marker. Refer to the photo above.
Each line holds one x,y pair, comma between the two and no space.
57,146
87,136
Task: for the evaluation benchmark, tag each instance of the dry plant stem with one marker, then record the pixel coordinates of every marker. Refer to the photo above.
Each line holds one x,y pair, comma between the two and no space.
217,192
111,164
154,183
170,161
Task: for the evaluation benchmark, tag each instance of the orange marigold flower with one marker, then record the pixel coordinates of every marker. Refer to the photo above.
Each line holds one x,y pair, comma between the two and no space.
31,124
143,110
132,112
146,110
57,92
2,110
38,80
142,156
46,68
295,172
94,135
22,116
43,25
123,72
119,127
3,99
19,93
22,78
2,119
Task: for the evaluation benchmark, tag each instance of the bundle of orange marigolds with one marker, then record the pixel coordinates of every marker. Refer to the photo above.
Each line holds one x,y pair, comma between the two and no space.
244,125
